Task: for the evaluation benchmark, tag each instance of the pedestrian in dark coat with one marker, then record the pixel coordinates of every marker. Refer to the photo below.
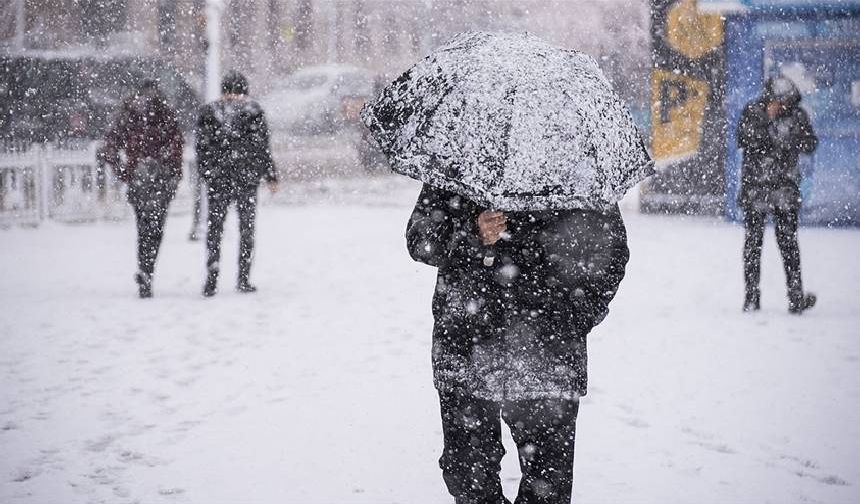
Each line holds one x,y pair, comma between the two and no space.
773,131
516,296
233,156
147,131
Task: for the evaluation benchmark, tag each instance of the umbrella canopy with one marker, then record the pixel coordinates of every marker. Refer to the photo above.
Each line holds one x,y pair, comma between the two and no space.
512,123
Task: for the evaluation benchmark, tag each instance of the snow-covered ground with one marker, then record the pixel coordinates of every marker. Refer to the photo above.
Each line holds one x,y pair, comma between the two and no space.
317,389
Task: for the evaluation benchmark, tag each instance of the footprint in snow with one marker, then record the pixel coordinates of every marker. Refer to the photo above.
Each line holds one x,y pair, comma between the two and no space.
100,444
697,433
137,458
716,447
830,479
23,474
635,422
121,491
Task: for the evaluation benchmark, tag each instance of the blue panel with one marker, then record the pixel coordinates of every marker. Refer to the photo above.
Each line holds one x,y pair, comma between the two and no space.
826,70
744,77
823,51
781,4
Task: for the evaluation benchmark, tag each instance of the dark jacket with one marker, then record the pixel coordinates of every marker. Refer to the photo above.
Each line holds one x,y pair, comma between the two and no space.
144,129
233,148
516,329
770,174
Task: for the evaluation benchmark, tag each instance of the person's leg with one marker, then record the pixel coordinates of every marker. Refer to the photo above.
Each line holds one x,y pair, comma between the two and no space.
149,239
246,205
142,237
161,199
143,275
786,238
217,212
544,431
754,221
196,184
471,458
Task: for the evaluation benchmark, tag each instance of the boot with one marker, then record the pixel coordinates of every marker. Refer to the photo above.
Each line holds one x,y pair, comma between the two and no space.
144,284
210,288
805,302
245,286
752,301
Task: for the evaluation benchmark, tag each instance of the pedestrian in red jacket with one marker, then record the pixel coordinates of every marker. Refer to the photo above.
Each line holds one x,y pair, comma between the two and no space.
147,132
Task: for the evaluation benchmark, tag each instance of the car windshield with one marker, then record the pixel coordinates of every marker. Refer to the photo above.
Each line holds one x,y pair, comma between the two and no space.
304,82
354,84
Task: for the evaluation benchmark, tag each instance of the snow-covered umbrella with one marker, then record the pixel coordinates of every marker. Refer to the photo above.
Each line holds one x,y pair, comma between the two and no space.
512,123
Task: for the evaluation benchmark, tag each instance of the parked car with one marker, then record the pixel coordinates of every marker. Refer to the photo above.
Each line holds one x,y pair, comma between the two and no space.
50,97
314,119
318,100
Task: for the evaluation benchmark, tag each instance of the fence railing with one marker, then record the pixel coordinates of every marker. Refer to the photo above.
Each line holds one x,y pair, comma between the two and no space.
65,183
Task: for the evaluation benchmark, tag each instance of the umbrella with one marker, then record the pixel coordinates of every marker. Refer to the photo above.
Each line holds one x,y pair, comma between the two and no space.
512,123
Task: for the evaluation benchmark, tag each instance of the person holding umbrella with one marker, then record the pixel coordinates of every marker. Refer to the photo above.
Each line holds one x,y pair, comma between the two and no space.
523,150
147,131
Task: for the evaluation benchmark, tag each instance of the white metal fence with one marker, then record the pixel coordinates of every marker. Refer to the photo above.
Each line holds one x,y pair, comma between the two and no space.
45,181
64,183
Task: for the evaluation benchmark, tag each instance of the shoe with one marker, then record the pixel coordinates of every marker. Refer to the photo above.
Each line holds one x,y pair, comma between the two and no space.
752,302
144,284
211,286
806,302
246,287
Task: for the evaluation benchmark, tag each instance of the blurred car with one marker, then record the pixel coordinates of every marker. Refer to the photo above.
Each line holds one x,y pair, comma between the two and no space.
314,119
318,100
54,97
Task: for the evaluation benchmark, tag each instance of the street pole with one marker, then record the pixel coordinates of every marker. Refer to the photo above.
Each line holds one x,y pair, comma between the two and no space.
213,49
332,32
20,24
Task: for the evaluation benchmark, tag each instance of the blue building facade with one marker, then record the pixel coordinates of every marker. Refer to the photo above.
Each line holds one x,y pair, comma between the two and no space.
817,45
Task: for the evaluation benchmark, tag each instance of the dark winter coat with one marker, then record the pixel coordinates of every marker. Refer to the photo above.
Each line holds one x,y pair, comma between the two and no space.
770,174
515,327
144,129
233,149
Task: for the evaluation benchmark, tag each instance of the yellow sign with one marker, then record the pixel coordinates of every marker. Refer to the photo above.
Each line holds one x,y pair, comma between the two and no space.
692,33
677,113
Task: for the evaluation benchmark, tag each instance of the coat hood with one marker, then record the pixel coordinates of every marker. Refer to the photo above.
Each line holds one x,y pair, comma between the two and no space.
235,83
782,89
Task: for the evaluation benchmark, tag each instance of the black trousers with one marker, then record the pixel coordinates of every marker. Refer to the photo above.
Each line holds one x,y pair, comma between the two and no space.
196,182
786,238
544,431
219,200
149,194
150,231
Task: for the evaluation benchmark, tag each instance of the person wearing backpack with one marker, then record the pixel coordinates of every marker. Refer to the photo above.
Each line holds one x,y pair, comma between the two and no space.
233,156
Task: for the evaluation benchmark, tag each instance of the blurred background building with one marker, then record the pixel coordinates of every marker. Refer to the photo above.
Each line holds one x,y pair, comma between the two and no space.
270,38
66,64
685,67
711,57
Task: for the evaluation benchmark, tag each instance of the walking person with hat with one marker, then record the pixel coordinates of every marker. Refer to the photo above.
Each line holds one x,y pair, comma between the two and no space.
233,156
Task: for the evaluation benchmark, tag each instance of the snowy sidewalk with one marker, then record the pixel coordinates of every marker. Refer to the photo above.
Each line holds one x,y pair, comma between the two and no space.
317,389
